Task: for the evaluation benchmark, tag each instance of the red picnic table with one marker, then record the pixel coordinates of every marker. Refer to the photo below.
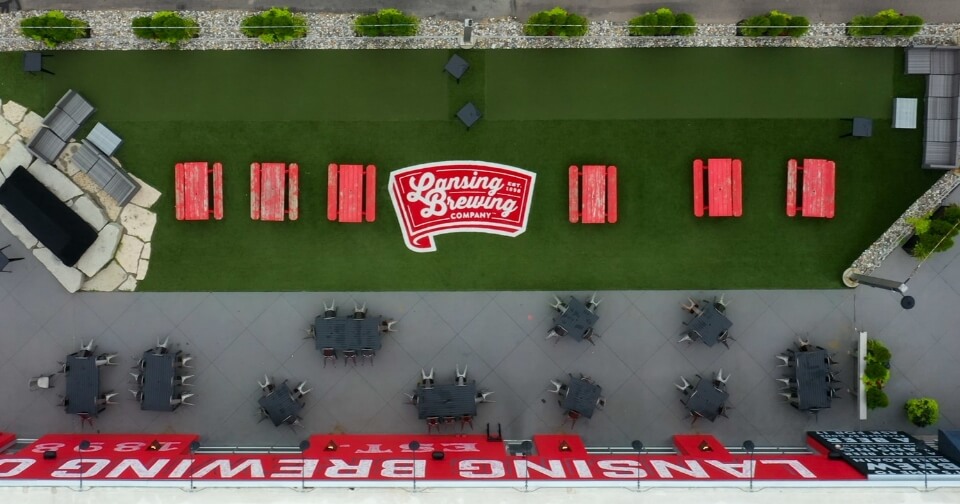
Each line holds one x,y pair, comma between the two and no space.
347,198
268,183
724,188
193,191
819,185
598,202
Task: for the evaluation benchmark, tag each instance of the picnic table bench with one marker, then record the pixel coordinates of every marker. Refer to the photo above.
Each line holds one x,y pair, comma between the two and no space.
724,187
347,198
268,185
597,203
193,191
818,188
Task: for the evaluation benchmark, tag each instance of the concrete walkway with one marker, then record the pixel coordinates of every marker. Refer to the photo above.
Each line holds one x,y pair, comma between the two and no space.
715,11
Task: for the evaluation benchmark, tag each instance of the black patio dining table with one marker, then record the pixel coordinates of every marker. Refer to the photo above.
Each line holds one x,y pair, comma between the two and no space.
710,324
280,405
582,396
706,399
83,385
347,333
158,388
577,320
447,400
813,385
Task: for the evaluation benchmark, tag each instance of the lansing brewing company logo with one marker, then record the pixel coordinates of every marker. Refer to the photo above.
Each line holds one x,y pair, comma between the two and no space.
457,196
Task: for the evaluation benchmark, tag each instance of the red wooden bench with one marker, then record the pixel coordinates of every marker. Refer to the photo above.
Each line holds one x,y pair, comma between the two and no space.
332,191
698,206
269,199
611,194
736,192
192,191
370,207
293,191
792,187
574,182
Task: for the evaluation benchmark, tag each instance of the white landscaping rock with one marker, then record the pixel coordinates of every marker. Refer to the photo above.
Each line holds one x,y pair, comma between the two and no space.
102,250
138,221
142,269
30,124
16,229
107,280
7,130
146,251
146,196
17,155
70,278
55,180
14,112
128,255
128,285
90,212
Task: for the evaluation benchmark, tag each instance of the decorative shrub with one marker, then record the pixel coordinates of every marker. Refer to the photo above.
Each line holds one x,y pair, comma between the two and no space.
922,412
934,232
774,24
877,398
888,23
663,22
275,25
165,26
878,352
386,23
54,28
556,21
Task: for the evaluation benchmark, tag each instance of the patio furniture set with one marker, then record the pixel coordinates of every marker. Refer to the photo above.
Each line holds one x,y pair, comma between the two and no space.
575,318
709,325
356,335
83,395
578,397
275,191
707,399
159,382
442,404
280,404
811,383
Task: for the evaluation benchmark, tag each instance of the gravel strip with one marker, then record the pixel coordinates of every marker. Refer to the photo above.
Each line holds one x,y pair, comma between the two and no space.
220,30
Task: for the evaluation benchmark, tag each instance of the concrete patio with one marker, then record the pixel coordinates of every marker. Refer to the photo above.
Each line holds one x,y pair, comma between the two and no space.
237,337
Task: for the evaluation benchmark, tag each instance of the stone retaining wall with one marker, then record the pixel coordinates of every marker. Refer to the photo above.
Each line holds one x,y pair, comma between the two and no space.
121,254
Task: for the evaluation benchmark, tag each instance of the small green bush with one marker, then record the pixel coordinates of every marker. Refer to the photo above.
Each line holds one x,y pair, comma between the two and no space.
386,23
165,26
662,22
277,24
888,23
877,351
554,22
877,398
935,232
922,412
54,28
774,24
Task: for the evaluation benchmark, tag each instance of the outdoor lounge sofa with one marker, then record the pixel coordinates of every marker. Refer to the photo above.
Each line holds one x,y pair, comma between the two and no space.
63,121
46,145
105,173
941,136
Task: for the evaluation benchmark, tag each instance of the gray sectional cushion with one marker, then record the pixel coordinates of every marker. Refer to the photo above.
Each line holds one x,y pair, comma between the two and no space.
46,145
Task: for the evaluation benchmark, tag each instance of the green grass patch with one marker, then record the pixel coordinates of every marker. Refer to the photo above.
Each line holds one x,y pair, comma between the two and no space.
395,109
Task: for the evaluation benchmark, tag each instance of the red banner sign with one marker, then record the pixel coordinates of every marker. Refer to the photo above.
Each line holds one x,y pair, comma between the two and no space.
457,196
385,458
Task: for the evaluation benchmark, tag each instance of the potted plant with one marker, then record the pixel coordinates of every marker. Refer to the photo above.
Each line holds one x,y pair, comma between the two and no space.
922,411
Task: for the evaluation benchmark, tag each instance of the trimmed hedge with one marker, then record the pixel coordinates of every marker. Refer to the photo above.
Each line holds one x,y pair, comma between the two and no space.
556,21
662,22
386,23
54,28
886,23
774,24
935,232
165,26
277,24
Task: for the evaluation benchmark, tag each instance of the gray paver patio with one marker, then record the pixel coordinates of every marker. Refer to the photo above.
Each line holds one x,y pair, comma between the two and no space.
237,337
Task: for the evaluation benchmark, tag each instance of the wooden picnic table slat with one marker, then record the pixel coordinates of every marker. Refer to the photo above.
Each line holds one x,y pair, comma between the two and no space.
719,203
272,191
196,195
350,193
594,203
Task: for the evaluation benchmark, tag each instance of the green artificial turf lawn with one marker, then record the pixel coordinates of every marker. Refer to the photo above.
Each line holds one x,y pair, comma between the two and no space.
649,112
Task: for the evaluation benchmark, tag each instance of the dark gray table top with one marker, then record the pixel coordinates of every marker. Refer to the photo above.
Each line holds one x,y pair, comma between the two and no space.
706,399
469,114
158,387
32,61
577,320
83,385
582,397
457,66
862,126
347,333
813,389
446,400
280,405
710,324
